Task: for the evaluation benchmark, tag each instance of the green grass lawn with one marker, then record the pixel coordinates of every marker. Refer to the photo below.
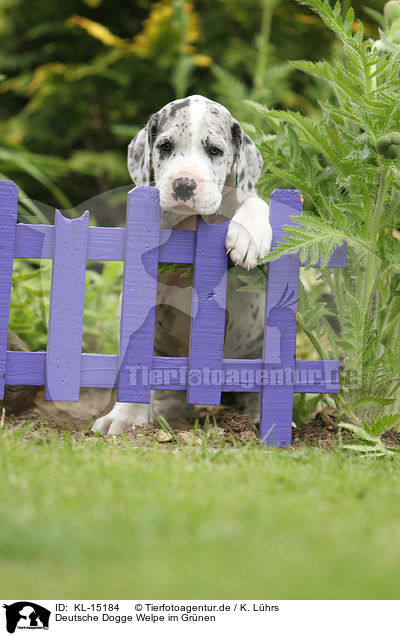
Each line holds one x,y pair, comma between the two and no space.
96,520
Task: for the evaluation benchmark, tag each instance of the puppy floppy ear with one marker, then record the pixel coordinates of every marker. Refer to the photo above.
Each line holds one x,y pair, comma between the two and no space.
140,152
249,162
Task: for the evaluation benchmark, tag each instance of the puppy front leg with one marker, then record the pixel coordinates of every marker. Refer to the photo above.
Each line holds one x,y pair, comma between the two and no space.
249,233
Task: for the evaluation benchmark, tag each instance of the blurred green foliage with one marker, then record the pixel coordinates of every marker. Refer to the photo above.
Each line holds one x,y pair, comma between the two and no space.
345,160
79,78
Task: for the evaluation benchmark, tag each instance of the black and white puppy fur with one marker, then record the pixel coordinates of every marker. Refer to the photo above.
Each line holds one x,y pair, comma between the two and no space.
202,163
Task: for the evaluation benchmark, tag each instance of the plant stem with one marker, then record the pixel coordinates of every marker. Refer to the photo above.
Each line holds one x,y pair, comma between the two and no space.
347,411
312,339
339,294
372,231
263,44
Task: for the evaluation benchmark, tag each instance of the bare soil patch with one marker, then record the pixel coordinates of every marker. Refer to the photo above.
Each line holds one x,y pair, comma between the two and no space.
216,425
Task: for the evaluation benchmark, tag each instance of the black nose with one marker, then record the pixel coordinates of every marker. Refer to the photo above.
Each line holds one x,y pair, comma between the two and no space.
183,188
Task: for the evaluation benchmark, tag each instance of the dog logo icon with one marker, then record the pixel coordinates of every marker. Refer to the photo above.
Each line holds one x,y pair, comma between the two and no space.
26,615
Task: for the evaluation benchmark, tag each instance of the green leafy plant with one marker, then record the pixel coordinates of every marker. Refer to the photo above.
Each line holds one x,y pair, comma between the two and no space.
368,442
30,303
345,160
44,170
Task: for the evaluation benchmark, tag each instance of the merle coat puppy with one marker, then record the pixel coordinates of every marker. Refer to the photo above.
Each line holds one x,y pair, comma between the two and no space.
202,163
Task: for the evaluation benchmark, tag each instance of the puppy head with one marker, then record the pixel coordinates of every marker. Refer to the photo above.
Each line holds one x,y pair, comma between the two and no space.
191,146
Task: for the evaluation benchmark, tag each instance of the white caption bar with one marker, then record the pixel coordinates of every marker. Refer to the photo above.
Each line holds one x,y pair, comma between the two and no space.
275,618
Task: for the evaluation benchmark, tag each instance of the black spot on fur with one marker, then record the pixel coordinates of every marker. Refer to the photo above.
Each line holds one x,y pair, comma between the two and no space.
255,313
249,185
236,132
152,129
176,107
241,174
247,139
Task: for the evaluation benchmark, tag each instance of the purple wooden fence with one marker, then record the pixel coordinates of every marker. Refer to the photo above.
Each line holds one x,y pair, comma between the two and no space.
63,368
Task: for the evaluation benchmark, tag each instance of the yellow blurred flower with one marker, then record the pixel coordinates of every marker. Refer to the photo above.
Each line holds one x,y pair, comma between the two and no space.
159,23
172,26
96,30
202,60
155,24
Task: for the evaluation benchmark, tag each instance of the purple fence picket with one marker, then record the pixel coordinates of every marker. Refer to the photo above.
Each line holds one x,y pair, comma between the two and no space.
8,219
208,314
142,240
67,300
280,325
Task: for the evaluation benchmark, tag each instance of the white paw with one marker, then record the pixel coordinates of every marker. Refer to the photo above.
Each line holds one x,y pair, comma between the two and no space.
249,235
122,417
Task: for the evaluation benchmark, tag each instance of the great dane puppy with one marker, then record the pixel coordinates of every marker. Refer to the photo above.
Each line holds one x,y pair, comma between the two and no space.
202,163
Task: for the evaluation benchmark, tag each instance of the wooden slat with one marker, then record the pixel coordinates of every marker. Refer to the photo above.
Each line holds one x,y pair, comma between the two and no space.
8,220
280,329
208,313
177,246
100,370
142,240
64,342
34,241
107,244
104,243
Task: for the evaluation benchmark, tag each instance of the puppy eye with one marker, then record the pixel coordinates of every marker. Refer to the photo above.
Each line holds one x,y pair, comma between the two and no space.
214,151
165,146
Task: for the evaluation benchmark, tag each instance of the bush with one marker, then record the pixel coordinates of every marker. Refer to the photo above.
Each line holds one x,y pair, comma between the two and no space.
345,160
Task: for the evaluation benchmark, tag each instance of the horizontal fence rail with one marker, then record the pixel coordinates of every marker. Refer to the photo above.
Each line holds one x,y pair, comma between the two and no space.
108,244
135,371
100,370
